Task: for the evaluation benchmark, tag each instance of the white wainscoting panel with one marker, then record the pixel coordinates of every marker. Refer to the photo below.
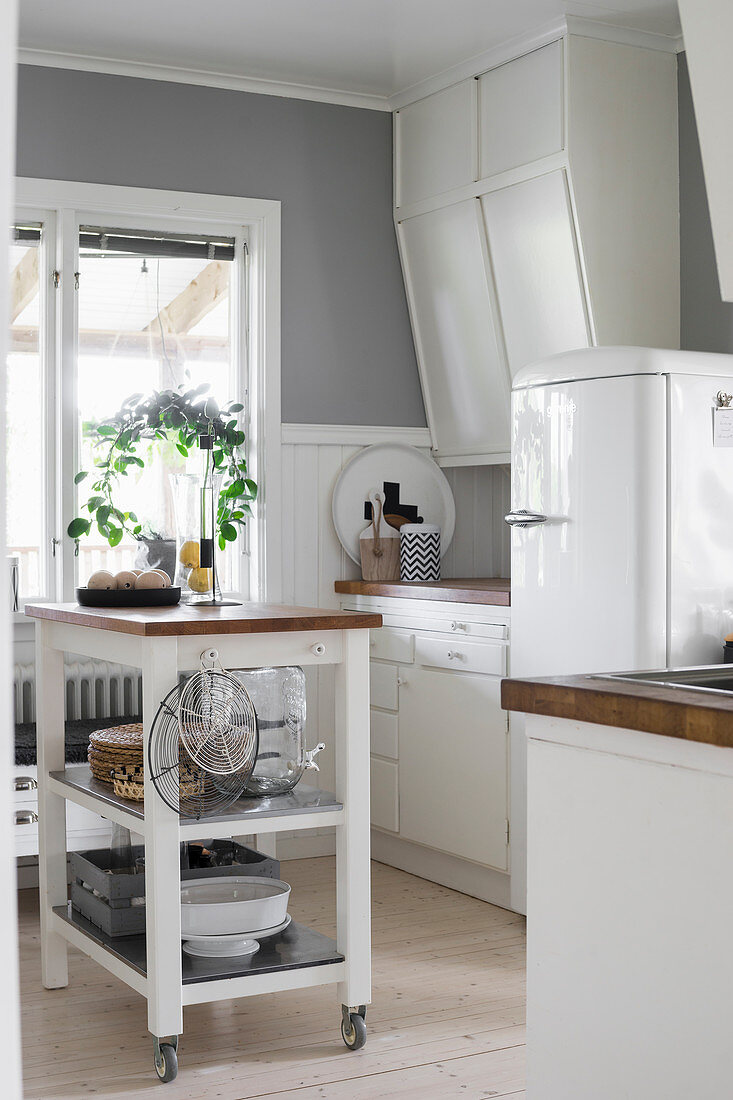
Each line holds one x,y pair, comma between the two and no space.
313,560
481,546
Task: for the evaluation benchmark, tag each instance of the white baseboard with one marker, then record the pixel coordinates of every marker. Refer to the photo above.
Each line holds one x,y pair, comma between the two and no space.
457,874
305,847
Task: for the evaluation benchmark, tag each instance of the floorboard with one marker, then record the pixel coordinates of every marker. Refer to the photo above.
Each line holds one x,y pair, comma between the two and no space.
446,1020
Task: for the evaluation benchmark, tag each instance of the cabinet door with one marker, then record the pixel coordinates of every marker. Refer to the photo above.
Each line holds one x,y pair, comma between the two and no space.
383,795
465,380
534,257
436,143
453,764
521,111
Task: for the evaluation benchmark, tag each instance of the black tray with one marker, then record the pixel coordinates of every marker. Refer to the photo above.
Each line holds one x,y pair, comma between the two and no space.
128,597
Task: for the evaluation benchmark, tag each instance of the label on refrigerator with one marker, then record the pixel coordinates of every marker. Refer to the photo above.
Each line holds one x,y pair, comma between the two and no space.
723,428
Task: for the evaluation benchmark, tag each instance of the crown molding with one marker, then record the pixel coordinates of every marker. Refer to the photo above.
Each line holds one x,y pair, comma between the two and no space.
353,435
626,36
525,43
479,63
142,71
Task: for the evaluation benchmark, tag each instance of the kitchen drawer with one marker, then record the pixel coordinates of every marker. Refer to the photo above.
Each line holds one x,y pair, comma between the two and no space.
392,645
25,786
385,739
383,686
385,806
455,624
461,656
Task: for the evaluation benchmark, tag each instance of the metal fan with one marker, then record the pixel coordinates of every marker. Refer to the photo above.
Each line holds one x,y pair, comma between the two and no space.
217,720
182,781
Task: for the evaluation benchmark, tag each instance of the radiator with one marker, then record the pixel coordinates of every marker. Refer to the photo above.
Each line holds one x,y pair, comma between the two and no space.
94,689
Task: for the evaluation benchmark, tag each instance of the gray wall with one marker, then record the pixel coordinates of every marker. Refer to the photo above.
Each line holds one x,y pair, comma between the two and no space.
347,355
706,320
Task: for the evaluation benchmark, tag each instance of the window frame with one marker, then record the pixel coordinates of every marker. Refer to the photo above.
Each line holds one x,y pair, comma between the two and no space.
63,206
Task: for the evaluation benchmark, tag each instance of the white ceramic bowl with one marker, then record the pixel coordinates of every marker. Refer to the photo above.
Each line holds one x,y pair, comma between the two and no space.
232,904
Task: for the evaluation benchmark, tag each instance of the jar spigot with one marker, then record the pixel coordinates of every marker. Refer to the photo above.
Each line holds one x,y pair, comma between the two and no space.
310,756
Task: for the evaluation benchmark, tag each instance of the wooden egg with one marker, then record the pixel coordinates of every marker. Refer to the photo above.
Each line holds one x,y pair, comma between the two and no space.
126,579
102,579
165,576
149,579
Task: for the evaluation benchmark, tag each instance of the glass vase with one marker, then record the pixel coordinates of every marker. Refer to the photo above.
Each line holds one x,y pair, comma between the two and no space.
196,501
195,559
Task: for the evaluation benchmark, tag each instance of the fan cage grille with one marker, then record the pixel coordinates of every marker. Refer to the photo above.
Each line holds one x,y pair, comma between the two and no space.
182,783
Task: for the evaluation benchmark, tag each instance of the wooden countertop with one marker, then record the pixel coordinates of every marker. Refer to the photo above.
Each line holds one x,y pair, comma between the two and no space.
651,708
492,590
247,618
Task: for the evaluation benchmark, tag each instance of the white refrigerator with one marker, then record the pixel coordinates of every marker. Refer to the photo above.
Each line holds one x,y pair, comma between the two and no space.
622,521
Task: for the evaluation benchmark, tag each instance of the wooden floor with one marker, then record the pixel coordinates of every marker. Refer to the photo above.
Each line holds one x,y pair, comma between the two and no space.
446,1020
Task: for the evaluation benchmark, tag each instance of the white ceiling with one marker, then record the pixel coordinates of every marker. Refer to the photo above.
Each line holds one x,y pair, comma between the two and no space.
363,47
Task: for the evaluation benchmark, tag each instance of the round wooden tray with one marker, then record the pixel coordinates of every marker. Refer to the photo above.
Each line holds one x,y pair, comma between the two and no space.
128,597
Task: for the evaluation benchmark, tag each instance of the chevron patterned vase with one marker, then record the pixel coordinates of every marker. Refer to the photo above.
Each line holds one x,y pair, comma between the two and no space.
420,552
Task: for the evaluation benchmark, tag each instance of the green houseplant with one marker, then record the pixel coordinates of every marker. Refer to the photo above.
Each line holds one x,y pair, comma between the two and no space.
186,417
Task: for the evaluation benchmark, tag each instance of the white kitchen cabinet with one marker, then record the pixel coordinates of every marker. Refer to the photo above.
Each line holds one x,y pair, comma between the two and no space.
464,376
439,742
521,110
538,281
453,764
436,143
384,795
84,829
592,120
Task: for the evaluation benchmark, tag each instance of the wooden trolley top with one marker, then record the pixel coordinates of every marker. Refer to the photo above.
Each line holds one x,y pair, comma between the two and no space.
184,619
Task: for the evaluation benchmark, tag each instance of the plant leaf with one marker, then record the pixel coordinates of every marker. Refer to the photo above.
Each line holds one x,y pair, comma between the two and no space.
80,476
115,536
78,527
229,532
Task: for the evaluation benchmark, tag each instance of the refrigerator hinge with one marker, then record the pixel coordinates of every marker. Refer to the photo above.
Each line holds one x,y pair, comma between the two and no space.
507,832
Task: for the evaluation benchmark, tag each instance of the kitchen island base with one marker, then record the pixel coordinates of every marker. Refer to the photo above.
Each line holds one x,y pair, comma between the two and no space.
163,644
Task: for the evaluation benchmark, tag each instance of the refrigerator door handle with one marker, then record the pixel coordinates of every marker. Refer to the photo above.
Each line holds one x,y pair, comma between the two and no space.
522,518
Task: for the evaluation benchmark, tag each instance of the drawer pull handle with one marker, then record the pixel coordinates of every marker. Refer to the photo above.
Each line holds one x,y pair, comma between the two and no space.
458,626
401,682
318,648
453,655
25,783
26,817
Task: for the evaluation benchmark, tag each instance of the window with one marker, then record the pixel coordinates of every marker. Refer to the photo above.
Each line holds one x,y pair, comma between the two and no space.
118,291
26,402
154,313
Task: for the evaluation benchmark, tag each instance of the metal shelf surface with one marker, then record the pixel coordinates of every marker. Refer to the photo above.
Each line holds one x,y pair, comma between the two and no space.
303,808
297,948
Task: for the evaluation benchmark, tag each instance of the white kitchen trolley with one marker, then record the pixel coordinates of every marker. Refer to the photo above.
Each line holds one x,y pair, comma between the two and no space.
163,642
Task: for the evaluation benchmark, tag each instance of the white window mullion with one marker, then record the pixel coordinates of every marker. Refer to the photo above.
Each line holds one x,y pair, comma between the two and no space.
67,405
240,357
47,322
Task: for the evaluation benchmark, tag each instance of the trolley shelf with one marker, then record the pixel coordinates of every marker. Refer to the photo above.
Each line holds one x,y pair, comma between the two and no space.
296,810
297,948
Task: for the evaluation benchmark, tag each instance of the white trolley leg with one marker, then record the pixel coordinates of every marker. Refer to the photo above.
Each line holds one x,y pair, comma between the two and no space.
162,860
353,890
50,709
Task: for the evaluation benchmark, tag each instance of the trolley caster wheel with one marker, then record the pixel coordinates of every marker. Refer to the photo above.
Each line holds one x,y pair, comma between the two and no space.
166,1062
353,1028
